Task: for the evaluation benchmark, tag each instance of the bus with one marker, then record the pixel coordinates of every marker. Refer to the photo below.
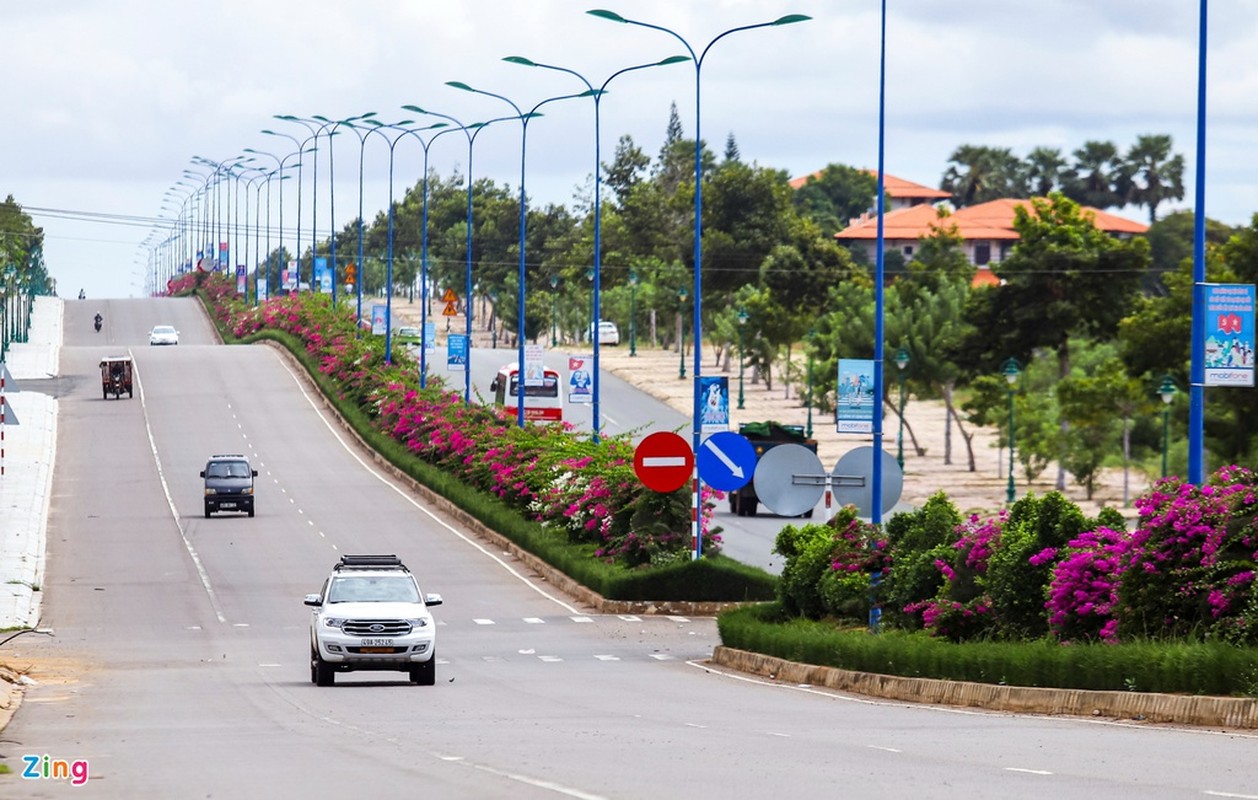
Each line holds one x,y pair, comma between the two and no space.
541,403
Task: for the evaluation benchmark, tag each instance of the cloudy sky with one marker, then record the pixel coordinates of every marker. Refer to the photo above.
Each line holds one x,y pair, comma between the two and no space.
105,103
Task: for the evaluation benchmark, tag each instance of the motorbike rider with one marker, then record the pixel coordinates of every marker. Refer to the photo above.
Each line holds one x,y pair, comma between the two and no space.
82,294
99,320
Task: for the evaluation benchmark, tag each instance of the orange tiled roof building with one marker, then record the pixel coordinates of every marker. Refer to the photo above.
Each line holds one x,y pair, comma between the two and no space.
986,229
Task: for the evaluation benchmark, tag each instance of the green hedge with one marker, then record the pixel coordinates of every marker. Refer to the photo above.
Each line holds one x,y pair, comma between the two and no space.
1207,668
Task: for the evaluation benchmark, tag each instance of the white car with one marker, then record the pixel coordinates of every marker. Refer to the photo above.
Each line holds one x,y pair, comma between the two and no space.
371,615
608,333
163,334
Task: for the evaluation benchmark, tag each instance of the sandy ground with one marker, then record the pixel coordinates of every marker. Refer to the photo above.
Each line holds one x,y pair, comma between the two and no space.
925,471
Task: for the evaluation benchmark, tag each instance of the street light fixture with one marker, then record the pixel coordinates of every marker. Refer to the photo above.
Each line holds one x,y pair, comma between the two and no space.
1167,390
696,424
901,362
742,323
1012,371
681,333
633,313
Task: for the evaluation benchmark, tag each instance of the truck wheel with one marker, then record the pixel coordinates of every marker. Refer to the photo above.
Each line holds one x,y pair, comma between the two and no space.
752,505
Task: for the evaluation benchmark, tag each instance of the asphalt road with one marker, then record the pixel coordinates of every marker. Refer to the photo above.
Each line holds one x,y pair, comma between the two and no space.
181,643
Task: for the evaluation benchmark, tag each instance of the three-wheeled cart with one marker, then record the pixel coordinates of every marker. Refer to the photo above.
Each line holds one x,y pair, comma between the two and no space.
115,376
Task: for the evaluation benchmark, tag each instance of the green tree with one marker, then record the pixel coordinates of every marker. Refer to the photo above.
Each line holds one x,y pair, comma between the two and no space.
834,196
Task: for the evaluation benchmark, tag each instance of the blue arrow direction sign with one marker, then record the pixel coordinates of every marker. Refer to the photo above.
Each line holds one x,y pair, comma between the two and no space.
726,461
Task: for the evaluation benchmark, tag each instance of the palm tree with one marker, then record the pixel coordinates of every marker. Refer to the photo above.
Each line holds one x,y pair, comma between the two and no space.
1090,181
979,173
1045,170
1153,174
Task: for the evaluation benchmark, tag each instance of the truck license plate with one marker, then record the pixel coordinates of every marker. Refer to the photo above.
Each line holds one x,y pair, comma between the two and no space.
378,643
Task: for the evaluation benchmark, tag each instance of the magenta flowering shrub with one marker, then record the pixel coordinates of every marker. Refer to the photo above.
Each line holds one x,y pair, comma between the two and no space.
1083,594
962,609
586,490
1191,571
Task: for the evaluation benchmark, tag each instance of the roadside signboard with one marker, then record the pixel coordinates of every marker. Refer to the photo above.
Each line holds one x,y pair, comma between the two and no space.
663,462
456,352
580,381
855,403
714,403
533,368
378,313
1228,324
727,460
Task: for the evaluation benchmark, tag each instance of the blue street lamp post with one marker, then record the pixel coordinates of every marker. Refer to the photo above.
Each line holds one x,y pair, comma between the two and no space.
597,96
522,277
698,222
1167,392
1012,372
901,362
742,324
471,131
633,313
279,162
301,151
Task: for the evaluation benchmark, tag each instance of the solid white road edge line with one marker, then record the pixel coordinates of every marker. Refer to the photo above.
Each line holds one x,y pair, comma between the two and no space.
170,501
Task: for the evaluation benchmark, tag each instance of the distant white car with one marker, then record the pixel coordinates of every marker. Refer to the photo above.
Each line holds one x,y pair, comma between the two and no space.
608,333
163,334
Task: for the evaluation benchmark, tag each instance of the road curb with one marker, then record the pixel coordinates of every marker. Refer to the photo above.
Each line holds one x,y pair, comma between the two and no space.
1197,710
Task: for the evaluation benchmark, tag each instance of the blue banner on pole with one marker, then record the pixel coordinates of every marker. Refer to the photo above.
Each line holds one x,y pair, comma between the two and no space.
714,403
855,403
456,352
1229,334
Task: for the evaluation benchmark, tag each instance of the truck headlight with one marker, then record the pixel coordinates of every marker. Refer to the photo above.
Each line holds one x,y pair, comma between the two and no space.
420,622
333,622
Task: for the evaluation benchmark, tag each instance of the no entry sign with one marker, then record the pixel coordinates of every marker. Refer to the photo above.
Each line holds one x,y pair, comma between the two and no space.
664,462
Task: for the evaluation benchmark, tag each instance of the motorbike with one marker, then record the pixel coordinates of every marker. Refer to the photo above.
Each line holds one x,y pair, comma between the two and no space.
99,321
82,295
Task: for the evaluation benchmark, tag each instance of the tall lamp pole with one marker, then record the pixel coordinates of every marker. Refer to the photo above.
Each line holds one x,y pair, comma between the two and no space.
471,131
1167,391
696,423
681,334
633,313
597,95
1012,372
901,362
742,323
811,335
522,277
554,310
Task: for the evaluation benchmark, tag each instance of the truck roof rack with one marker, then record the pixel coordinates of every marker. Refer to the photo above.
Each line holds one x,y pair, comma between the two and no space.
370,562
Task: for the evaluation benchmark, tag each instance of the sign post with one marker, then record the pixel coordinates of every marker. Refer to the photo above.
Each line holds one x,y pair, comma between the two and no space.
663,462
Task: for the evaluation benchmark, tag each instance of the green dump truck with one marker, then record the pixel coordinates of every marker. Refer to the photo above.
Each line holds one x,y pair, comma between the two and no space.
764,436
